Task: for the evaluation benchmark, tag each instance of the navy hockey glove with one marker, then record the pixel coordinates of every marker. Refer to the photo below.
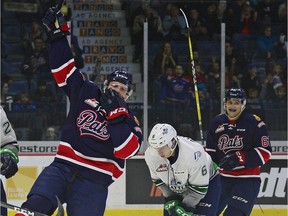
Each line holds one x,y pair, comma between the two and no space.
231,161
55,23
9,160
115,106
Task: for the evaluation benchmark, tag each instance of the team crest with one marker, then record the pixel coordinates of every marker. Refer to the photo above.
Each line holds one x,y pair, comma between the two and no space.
162,168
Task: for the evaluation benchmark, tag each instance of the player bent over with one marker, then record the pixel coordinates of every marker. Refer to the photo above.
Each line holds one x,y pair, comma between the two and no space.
8,154
183,171
99,134
239,142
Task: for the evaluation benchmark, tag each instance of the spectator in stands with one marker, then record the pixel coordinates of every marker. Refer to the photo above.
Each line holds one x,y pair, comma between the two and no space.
50,134
177,96
213,23
213,79
248,25
281,96
35,32
251,80
266,43
177,91
24,103
35,65
164,59
155,29
43,94
163,81
267,93
174,24
231,16
4,91
197,26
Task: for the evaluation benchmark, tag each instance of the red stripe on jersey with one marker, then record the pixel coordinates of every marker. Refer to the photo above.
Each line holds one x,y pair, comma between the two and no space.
60,74
264,154
128,148
99,164
253,172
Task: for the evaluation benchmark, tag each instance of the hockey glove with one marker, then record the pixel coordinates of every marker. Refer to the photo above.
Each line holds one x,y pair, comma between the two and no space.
231,161
56,25
170,206
115,106
181,211
9,160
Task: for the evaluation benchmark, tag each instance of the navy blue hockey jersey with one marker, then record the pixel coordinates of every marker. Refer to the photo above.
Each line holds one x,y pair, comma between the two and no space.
248,134
88,143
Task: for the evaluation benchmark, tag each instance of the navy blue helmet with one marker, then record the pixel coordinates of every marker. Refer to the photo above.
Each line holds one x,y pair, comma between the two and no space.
122,77
236,93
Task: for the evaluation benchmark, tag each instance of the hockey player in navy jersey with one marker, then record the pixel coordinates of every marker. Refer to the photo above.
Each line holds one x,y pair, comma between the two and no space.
184,172
8,154
239,143
100,133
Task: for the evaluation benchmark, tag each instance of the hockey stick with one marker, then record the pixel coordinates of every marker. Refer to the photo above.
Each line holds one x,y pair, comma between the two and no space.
194,79
19,209
32,213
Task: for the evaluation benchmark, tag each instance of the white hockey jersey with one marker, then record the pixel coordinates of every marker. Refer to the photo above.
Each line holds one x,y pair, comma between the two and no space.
188,176
8,136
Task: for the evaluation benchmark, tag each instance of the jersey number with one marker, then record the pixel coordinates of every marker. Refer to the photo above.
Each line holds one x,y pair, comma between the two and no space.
6,127
204,170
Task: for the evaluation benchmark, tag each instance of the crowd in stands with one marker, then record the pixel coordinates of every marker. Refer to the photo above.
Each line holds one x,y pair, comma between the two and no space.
255,53
255,56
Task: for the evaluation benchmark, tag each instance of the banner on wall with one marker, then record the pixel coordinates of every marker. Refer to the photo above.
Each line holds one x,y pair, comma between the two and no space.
273,190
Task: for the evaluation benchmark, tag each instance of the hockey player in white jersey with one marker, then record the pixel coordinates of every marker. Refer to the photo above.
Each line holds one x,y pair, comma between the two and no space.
8,154
183,171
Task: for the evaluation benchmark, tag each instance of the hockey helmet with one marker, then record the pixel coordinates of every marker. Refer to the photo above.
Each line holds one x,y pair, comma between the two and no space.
122,77
235,93
161,135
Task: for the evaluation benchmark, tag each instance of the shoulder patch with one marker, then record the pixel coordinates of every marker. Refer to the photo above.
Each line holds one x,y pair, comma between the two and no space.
257,117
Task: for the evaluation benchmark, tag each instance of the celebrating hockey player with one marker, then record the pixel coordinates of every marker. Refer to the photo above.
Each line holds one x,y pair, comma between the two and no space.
183,171
8,154
99,134
239,143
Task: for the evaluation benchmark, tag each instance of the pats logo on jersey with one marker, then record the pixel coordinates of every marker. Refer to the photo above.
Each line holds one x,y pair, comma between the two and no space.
162,168
227,144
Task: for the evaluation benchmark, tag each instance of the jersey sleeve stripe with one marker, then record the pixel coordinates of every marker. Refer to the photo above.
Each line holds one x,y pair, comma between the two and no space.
102,165
264,154
62,73
128,148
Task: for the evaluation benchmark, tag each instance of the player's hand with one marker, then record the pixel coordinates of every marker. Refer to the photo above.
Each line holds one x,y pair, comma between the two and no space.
231,161
114,105
9,160
55,23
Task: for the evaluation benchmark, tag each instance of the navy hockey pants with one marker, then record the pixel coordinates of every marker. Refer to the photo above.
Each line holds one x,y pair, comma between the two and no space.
82,196
239,194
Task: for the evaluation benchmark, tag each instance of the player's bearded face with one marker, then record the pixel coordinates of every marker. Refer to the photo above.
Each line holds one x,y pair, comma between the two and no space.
120,88
233,108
